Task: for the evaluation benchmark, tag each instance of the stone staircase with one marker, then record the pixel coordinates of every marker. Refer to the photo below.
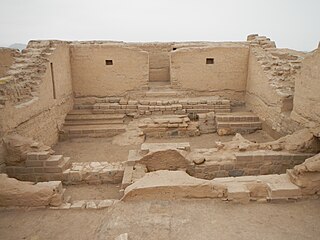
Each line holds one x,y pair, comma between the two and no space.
161,89
40,166
86,123
157,106
237,122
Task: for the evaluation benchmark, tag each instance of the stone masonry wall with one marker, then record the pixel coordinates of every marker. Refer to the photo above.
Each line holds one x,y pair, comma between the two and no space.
243,163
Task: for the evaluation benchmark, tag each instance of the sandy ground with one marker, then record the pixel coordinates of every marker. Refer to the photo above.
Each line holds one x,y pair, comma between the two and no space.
93,150
176,220
102,149
93,192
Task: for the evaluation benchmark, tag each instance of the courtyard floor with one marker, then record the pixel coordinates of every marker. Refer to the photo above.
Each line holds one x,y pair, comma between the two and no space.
179,220
102,149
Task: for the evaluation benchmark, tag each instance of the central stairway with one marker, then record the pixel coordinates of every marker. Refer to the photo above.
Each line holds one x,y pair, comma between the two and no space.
86,123
105,116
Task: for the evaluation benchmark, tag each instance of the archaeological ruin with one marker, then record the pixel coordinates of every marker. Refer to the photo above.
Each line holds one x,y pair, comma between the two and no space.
236,121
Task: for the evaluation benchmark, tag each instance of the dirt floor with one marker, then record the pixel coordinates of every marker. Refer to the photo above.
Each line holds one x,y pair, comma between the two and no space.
102,149
93,150
93,192
163,220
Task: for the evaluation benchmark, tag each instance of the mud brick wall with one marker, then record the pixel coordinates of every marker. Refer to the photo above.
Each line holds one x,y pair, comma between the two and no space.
108,69
219,68
248,163
41,113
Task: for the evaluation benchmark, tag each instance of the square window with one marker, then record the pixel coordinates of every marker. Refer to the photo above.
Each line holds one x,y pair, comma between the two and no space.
109,62
210,61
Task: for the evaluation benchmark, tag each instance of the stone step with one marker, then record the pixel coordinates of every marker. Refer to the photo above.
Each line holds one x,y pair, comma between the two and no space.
283,189
63,165
237,118
90,116
239,125
238,192
80,112
106,130
38,155
168,93
54,160
92,122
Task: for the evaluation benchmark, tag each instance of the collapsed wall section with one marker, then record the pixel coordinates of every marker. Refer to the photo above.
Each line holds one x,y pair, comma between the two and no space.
270,84
214,68
6,59
37,92
107,69
306,108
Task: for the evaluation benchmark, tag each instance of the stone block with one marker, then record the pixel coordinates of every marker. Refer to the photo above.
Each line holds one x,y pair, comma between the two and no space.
91,205
123,236
34,163
105,203
78,205
53,160
238,192
236,173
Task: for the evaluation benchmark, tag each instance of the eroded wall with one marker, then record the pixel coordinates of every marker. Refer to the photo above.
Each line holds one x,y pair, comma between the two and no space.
43,115
93,77
6,59
261,97
306,102
225,76
270,84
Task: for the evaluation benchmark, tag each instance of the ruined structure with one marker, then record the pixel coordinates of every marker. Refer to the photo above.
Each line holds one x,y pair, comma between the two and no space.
57,91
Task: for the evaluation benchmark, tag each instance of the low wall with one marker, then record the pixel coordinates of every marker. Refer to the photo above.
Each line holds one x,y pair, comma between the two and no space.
247,164
219,69
107,69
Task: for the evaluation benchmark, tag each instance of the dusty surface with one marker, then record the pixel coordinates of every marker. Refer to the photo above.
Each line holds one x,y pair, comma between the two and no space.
93,150
102,149
208,140
93,192
192,219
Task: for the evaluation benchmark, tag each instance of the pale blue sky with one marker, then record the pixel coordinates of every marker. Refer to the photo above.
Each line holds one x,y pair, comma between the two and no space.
291,23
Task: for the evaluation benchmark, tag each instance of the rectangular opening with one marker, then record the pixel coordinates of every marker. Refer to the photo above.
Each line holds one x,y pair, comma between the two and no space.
210,61
109,62
53,83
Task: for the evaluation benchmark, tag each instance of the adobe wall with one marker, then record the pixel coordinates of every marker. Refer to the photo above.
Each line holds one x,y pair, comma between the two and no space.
270,84
92,77
6,59
260,96
225,77
306,102
42,116
159,60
